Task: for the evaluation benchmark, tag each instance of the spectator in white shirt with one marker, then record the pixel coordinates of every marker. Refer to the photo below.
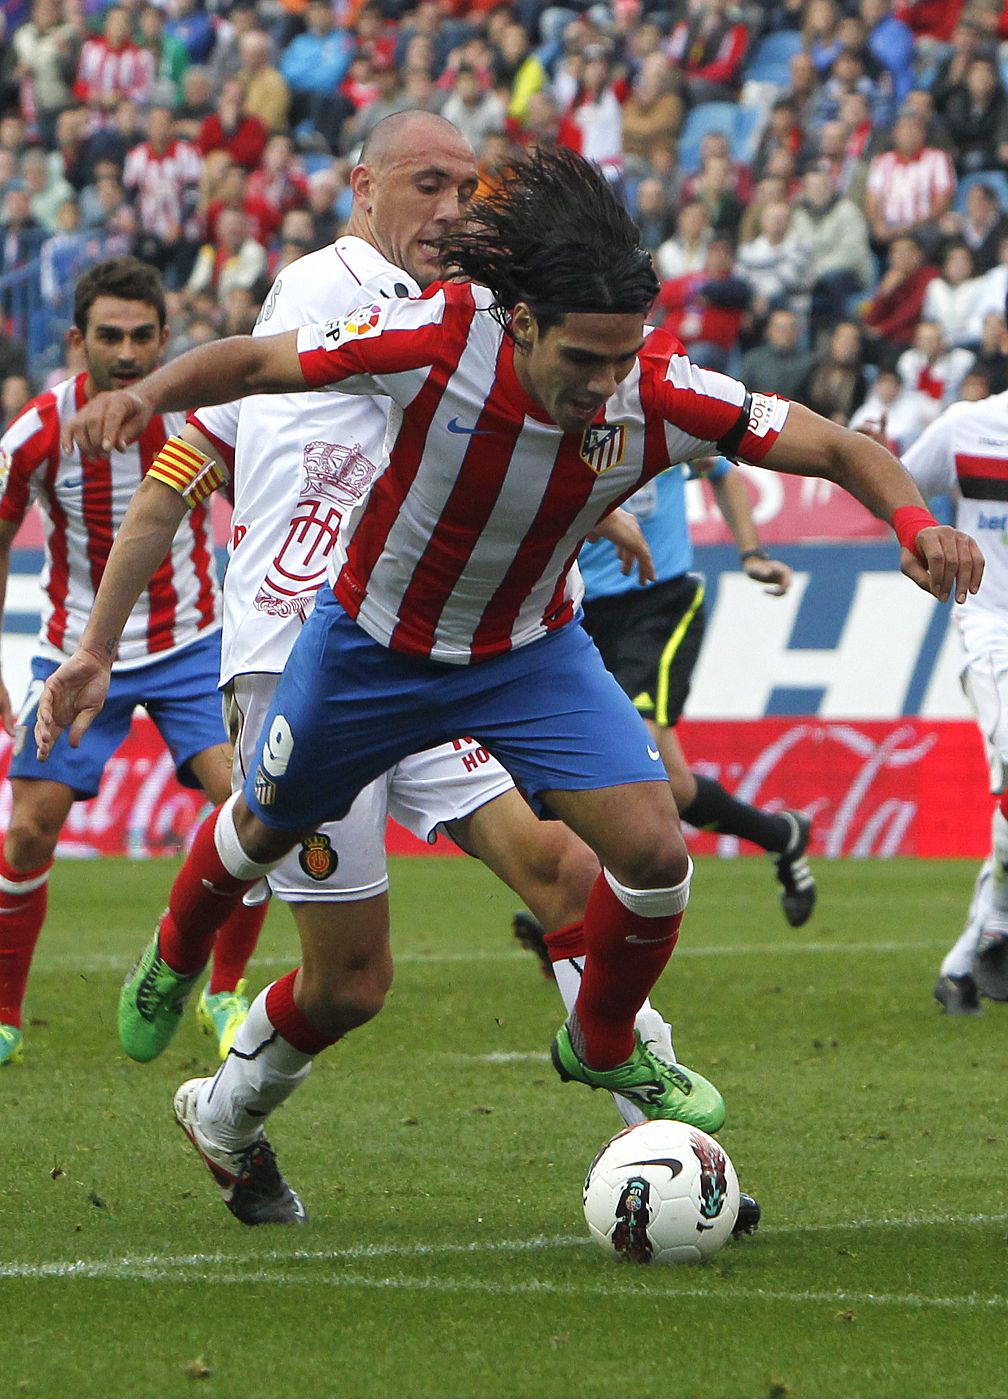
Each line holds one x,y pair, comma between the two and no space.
776,263
899,414
931,366
952,298
686,250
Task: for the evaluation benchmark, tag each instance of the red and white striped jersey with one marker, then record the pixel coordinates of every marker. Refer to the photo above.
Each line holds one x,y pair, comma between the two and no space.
103,71
82,504
907,189
464,547
964,454
161,183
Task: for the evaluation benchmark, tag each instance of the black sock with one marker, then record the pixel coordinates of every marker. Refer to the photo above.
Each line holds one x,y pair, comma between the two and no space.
714,809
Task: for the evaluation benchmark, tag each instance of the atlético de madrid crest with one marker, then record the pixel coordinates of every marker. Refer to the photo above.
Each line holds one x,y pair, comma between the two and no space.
602,446
316,857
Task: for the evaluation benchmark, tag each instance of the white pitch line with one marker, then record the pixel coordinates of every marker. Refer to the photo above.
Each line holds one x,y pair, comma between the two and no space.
274,1266
105,962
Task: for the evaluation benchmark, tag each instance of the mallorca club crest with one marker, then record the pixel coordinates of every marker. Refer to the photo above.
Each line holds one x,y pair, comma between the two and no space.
633,1212
316,857
713,1178
602,446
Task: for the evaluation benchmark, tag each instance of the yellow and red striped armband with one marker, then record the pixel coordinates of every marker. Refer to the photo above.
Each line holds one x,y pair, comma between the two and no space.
187,470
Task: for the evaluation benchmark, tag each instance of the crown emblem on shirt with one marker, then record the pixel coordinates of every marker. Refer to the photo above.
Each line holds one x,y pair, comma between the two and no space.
602,446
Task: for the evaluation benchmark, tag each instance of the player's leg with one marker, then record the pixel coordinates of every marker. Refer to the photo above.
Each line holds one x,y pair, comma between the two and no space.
336,884
181,697
39,810
985,682
651,643
553,871
42,795
955,991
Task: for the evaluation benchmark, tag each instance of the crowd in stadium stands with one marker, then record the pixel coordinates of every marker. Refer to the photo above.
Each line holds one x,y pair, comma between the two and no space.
823,183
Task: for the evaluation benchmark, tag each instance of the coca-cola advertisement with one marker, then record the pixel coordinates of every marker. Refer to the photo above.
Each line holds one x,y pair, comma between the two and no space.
873,788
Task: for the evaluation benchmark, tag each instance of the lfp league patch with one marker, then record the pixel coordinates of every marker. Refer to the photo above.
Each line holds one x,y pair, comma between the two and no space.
356,325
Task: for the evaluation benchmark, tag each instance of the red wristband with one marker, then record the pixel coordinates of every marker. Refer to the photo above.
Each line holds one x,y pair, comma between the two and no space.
908,521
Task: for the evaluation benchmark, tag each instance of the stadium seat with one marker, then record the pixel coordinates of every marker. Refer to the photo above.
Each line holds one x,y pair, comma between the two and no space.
997,179
741,125
700,121
771,58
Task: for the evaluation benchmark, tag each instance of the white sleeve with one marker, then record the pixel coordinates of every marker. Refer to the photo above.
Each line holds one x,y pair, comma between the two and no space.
931,460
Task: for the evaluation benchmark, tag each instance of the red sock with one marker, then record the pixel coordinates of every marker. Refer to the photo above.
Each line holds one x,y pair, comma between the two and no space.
290,1020
234,945
203,896
22,913
619,973
566,942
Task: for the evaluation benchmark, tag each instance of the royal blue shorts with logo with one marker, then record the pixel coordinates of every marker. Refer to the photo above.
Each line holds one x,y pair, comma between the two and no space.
180,694
348,708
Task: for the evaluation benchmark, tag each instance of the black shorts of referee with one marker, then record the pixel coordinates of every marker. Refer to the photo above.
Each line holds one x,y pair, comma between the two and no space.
650,640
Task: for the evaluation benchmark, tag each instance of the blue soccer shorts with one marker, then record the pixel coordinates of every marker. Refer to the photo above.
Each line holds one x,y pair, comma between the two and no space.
179,693
347,708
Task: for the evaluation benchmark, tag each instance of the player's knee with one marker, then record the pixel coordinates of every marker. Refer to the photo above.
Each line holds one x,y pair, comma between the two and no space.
651,864
576,870
30,840
339,1002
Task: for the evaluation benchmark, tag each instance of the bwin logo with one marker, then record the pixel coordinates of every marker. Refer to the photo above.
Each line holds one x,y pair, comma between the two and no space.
278,748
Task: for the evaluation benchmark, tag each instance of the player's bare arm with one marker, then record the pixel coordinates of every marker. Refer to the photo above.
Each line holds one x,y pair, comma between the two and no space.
75,693
7,532
216,373
734,504
943,561
622,529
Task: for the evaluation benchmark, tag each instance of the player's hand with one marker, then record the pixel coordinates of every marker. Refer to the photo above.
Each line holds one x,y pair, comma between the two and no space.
775,574
947,563
108,422
624,532
73,696
7,716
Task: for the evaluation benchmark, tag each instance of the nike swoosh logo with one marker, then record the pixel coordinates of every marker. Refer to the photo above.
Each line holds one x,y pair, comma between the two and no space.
653,753
454,426
673,1164
72,485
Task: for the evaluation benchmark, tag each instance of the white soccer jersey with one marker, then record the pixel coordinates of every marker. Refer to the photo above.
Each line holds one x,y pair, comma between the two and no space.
82,505
964,453
464,546
286,520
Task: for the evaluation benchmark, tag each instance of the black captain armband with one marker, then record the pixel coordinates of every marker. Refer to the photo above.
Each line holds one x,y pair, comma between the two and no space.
728,445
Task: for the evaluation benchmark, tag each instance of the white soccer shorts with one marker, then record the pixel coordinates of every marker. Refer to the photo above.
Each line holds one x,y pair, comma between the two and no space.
984,679
345,860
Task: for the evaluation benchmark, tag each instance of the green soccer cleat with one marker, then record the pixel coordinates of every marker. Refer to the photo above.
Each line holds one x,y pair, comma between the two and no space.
221,1013
11,1045
151,1004
658,1089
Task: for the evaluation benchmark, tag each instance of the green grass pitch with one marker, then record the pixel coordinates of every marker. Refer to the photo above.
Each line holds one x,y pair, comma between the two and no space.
441,1161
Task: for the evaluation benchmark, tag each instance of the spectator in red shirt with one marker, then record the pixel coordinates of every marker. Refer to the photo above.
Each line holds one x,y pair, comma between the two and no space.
892,313
232,129
708,47
705,309
279,185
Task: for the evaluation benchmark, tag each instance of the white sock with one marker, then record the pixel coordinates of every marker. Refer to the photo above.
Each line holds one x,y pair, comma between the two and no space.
261,1071
959,958
998,916
655,1031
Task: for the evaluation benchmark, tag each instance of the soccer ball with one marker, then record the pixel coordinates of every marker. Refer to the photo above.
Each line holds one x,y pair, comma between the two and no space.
661,1193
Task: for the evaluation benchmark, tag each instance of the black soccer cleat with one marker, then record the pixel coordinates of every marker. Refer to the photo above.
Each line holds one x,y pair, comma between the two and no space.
797,883
748,1218
958,996
249,1179
531,935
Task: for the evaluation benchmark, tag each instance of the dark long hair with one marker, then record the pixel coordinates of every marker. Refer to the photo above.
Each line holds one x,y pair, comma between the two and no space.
553,234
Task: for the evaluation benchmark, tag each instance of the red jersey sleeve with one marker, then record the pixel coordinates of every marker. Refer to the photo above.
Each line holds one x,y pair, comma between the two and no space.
707,405
31,443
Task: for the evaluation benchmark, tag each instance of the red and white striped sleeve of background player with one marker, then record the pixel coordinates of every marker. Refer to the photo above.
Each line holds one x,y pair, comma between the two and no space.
465,545
82,506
